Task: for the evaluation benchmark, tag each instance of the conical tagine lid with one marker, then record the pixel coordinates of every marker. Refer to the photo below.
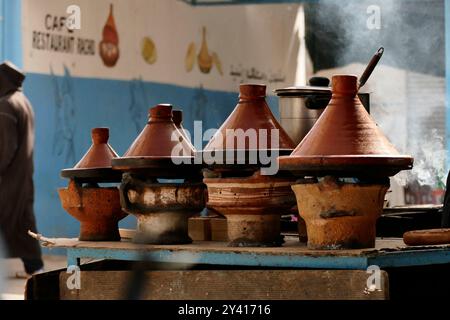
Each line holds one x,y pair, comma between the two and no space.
250,127
95,165
345,141
159,145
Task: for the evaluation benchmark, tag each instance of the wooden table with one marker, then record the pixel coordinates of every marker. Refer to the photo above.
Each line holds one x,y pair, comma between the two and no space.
388,253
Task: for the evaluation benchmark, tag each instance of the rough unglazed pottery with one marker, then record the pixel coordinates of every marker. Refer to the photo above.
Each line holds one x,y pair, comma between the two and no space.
97,209
253,207
340,215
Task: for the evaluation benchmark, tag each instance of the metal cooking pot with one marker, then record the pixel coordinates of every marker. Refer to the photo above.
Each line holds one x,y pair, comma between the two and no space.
301,106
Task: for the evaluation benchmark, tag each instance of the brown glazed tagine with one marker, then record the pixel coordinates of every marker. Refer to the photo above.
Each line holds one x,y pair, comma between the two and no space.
95,165
349,160
345,141
160,150
240,189
162,207
251,116
97,208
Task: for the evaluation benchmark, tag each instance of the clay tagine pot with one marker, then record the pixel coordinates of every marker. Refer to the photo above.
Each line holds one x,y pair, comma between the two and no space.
95,165
238,188
252,206
98,209
162,209
345,141
251,116
160,150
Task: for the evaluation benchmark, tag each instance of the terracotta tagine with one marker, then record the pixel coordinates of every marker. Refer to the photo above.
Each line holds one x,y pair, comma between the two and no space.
345,141
251,198
160,146
97,208
351,161
251,116
162,208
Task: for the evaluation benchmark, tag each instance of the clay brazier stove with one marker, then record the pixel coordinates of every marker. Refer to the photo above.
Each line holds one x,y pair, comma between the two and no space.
345,162
162,205
97,208
251,202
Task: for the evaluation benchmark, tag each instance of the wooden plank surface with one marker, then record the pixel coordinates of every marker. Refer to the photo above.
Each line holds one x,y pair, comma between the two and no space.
228,285
290,247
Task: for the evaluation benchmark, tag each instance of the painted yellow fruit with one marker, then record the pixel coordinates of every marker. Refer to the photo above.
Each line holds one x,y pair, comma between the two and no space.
217,63
190,57
148,50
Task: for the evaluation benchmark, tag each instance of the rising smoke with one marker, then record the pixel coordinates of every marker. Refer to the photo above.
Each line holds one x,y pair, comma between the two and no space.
408,87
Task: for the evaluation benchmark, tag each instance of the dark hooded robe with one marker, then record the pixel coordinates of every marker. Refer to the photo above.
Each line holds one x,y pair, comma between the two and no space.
16,166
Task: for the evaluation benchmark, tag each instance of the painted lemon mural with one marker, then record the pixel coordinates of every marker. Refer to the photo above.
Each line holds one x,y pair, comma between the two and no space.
148,50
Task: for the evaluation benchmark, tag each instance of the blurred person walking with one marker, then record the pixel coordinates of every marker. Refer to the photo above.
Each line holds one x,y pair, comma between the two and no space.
16,170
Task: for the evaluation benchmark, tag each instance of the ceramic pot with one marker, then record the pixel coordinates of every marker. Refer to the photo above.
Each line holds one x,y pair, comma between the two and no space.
345,141
162,209
253,125
160,149
97,209
253,207
100,153
340,215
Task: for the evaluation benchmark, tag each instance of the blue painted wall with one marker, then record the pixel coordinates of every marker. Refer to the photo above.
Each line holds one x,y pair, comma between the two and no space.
10,31
67,108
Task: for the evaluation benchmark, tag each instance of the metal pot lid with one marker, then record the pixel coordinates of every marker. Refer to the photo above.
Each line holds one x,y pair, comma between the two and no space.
300,91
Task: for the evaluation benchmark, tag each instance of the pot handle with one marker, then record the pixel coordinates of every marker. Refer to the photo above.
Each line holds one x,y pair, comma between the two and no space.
124,187
77,191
